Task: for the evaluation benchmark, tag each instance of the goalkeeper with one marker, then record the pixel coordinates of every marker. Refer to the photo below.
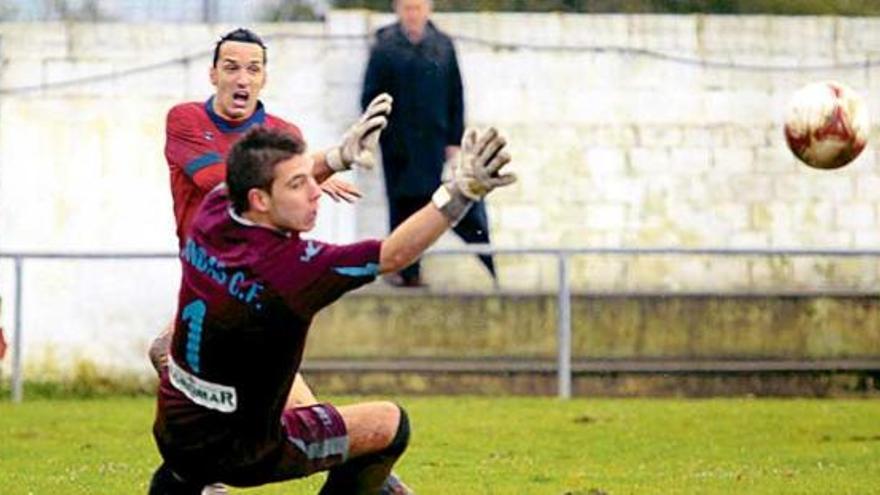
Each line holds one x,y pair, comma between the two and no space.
249,291
199,135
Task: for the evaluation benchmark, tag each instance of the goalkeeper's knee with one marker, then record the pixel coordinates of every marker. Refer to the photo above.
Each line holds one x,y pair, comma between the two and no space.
158,352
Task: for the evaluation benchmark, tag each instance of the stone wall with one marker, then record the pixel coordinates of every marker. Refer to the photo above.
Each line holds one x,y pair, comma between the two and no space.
646,327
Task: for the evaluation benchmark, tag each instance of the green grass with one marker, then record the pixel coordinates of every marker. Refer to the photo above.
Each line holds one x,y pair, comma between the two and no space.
468,445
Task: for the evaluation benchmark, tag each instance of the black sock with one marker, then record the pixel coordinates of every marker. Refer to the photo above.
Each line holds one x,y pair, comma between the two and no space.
166,482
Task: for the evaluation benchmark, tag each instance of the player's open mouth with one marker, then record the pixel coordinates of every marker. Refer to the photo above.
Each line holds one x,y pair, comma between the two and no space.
240,98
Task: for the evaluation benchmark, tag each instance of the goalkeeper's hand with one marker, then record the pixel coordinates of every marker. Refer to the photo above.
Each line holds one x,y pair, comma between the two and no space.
473,173
482,156
360,143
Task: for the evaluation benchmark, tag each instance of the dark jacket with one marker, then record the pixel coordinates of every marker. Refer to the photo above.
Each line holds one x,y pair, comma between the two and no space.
428,112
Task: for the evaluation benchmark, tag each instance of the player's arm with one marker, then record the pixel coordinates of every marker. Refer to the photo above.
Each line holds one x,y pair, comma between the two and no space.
412,238
321,171
192,153
474,174
360,143
359,147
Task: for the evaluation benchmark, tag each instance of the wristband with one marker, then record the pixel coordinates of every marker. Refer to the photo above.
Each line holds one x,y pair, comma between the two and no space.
453,204
333,158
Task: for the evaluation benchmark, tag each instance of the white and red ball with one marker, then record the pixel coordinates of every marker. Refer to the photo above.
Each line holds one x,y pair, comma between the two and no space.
826,125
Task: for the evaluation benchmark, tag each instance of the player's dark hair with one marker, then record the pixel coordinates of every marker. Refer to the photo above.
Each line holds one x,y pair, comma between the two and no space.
251,162
243,35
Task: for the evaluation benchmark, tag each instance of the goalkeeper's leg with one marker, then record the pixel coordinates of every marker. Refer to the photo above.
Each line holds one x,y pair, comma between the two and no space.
160,347
378,435
167,482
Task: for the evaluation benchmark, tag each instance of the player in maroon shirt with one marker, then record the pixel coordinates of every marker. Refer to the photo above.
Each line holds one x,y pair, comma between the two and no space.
199,134
249,291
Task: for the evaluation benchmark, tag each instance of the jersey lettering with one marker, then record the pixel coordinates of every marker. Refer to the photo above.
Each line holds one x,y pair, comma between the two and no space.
221,398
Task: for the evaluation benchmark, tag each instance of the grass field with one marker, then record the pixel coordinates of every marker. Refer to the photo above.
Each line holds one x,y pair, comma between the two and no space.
476,445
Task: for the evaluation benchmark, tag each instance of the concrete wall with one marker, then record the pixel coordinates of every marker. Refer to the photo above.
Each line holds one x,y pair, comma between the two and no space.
603,327
613,148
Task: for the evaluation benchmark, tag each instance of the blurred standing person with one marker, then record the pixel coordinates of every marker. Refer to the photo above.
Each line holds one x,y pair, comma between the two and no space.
415,63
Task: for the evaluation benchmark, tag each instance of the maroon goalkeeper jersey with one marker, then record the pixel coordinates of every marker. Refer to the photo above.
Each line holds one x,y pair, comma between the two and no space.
196,143
247,298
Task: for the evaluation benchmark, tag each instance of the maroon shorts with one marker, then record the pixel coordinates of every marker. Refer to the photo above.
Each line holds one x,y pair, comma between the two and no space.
318,436
313,438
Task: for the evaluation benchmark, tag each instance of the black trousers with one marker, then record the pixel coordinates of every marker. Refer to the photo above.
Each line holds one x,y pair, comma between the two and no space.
473,228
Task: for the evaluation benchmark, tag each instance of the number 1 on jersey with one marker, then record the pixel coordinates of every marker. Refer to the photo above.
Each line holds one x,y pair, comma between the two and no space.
194,314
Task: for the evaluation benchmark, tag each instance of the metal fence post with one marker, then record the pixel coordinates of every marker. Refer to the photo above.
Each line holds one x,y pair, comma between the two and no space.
564,327
16,348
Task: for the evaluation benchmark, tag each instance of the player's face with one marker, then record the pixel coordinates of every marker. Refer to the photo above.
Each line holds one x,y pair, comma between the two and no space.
294,195
238,78
413,15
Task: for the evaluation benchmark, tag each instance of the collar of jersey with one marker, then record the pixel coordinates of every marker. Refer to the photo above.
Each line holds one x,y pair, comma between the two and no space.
247,223
226,126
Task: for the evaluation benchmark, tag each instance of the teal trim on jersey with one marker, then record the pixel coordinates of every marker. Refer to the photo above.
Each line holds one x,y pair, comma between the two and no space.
368,270
201,162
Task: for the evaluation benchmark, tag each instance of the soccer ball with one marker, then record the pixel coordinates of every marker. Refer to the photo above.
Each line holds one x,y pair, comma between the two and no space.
827,124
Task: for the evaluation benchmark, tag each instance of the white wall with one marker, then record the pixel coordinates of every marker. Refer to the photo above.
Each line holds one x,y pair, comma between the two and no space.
613,148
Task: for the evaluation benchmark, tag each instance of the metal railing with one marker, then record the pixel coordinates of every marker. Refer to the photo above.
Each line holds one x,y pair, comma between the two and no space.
564,292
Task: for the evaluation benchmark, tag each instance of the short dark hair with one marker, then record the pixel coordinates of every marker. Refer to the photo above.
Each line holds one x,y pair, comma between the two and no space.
243,35
252,159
